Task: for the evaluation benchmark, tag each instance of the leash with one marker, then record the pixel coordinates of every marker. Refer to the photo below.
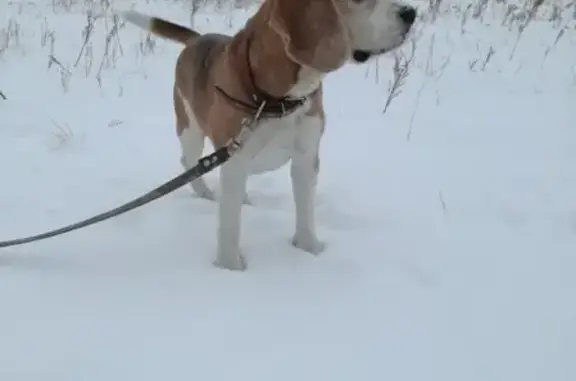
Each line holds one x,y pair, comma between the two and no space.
205,164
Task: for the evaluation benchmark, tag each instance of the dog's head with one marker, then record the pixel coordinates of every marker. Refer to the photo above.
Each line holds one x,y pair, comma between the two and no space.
324,34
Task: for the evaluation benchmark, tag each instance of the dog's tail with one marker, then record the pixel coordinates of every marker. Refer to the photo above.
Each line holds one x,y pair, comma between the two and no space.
160,27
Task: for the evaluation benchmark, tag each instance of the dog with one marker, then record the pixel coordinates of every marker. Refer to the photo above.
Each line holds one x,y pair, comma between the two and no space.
279,57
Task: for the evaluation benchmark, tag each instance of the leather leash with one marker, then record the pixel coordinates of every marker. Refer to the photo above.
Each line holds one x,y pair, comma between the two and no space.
205,165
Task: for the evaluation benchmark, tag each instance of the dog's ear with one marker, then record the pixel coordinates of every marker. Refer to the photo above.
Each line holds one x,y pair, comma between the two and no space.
312,32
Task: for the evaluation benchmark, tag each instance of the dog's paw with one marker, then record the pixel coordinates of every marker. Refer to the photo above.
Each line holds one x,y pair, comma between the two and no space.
231,262
308,243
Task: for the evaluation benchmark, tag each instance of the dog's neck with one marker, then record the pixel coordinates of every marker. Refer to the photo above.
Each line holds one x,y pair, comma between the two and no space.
259,57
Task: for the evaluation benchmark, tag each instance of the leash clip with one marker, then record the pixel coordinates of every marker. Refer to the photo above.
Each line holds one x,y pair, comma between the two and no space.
247,126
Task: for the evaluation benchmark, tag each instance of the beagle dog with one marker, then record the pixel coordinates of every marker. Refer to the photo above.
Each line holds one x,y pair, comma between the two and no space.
279,57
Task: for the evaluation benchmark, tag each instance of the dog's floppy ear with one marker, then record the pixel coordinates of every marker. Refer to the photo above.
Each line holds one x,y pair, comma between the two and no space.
312,32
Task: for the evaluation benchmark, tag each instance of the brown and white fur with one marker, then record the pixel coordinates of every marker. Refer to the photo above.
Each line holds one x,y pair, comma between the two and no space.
294,45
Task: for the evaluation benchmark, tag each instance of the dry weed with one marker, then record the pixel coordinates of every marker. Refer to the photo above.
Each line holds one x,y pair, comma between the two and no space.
559,36
443,204
47,36
529,15
61,136
400,72
86,36
483,60
112,48
434,9
9,36
65,73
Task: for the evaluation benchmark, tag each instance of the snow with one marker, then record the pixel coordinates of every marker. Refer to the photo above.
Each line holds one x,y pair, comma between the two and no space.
450,219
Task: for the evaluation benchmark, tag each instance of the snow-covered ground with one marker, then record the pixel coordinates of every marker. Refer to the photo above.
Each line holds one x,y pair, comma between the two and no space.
450,219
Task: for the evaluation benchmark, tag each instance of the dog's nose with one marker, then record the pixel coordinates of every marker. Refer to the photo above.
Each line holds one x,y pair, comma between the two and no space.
407,14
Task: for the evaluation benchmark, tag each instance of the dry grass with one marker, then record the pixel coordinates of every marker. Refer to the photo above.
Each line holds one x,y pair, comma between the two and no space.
400,72
9,35
101,46
60,136
515,16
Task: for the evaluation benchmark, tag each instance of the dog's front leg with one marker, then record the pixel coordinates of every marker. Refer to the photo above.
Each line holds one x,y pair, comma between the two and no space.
233,177
304,173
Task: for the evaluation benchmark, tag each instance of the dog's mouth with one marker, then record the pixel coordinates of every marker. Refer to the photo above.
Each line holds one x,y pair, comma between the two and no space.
361,56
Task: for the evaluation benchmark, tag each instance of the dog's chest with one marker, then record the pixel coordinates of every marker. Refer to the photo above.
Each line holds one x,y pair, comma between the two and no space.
273,142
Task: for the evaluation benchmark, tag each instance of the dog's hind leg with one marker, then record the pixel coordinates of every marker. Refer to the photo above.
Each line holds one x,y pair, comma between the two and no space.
192,142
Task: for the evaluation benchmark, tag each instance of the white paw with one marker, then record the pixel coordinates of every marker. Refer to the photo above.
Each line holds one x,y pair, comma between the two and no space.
231,262
308,243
